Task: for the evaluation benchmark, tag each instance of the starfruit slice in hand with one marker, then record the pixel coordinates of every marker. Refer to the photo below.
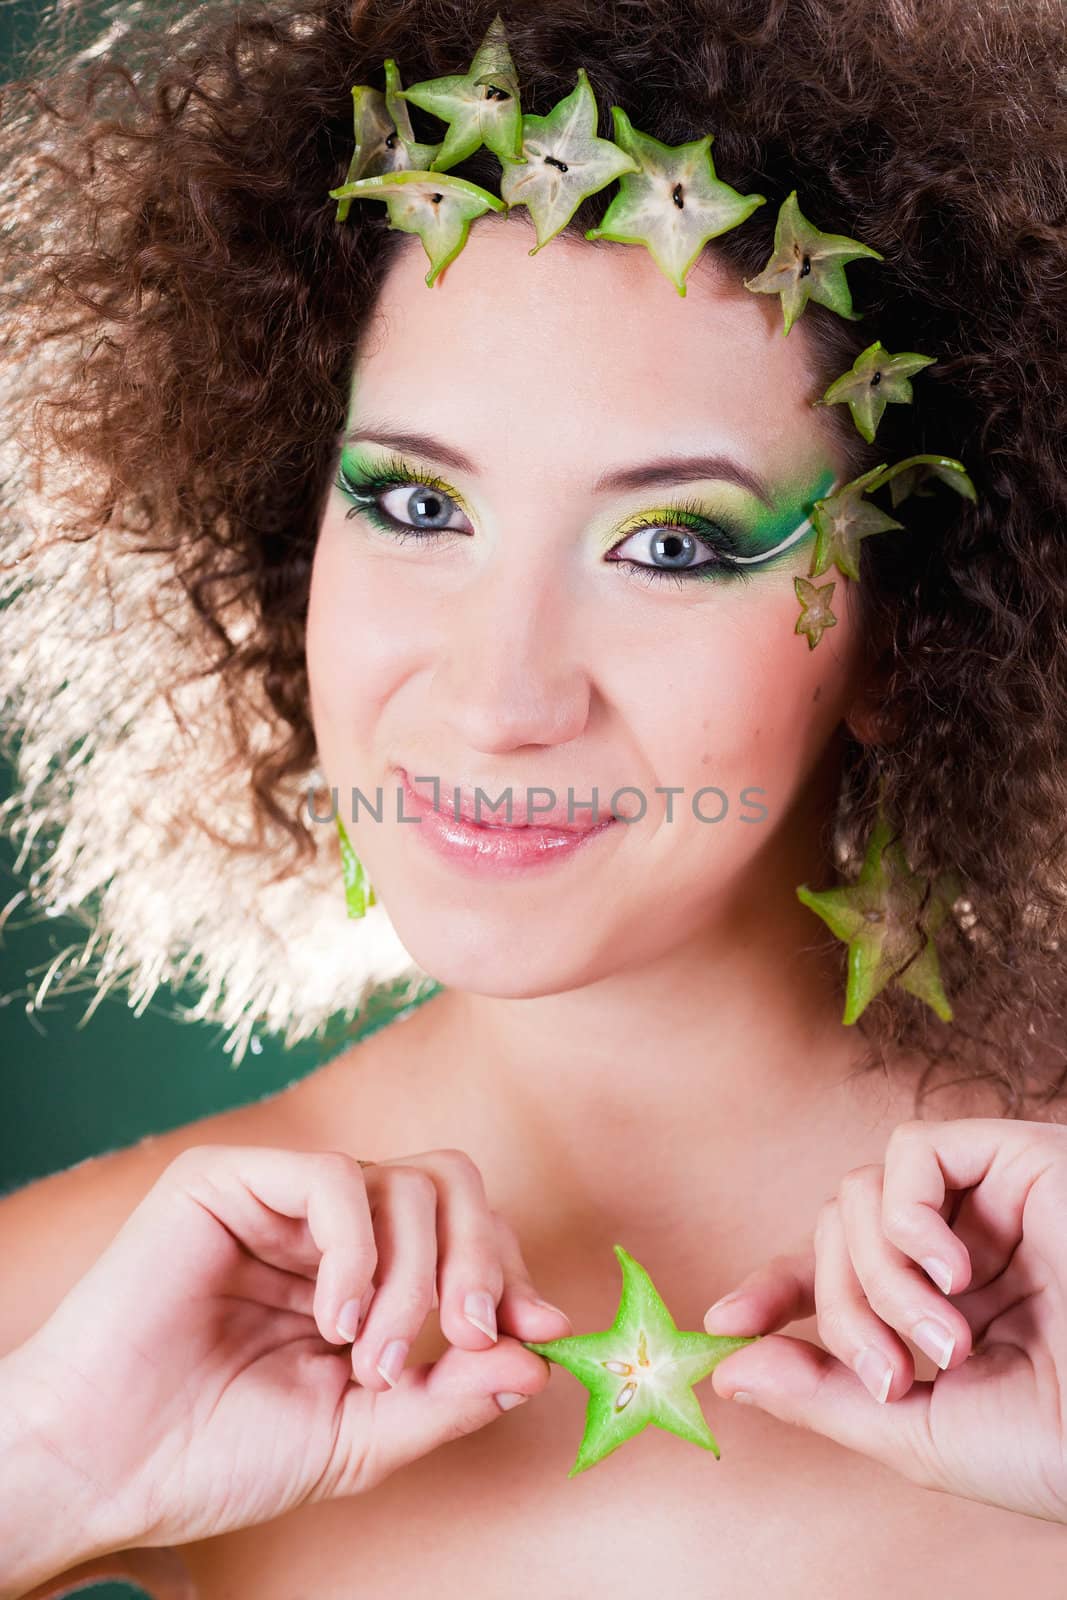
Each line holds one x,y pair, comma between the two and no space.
674,203
874,379
808,265
565,161
481,105
887,918
435,205
912,474
639,1371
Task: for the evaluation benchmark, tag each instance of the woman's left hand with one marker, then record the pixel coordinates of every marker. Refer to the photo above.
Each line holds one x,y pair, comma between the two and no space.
987,1198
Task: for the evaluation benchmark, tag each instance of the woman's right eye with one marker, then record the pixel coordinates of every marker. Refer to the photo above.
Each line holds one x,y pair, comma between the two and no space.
410,508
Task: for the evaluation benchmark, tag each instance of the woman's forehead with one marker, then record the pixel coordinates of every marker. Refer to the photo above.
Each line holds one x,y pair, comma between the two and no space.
584,347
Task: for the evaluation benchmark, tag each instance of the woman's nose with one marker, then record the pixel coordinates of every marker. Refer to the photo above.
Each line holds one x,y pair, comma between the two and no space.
509,670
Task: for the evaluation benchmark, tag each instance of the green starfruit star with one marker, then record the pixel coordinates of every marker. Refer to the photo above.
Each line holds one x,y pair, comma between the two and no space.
435,205
641,1370
841,520
808,265
358,892
815,614
874,379
481,105
887,917
909,475
674,203
377,148
564,161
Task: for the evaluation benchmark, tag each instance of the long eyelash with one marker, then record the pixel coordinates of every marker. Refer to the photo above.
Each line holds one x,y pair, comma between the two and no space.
687,516
392,474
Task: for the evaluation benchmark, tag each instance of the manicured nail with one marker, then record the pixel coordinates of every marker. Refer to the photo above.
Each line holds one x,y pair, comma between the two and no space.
934,1338
875,1371
940,1271
546,1305
348,1321
392,1361
506,1400
478,1308
720,1305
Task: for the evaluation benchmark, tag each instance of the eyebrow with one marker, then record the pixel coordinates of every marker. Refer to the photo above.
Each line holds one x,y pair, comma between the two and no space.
667,469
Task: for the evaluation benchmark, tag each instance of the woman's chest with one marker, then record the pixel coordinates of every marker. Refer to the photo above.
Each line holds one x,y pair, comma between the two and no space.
782,1513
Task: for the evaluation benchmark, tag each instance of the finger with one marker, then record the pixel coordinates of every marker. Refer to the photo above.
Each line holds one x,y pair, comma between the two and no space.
924,1159
405,1214
847,1325
780,1291
432,1404
893,1292
777,1292
470,1277
797,1382
521,1311
252,1190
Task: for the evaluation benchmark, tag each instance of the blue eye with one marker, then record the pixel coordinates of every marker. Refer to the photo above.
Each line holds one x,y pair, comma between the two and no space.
429,498
680,531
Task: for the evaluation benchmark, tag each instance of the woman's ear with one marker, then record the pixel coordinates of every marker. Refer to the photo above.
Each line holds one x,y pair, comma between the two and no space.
871,719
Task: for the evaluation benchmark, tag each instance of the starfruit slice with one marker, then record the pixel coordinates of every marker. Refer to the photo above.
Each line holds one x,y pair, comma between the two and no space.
910,475
359,894
564,162
841,520
674,203
815,614
641,1370
481,105
435,205
377,149
419,157
887,917
874,379
808,265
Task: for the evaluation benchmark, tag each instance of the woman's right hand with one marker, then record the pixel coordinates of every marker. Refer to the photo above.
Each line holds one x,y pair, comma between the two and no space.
196,1374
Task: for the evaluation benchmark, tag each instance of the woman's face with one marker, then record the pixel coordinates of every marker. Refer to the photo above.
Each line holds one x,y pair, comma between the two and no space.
518,651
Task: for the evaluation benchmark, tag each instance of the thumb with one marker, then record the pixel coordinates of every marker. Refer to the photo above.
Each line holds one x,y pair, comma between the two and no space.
430,1405
801,1383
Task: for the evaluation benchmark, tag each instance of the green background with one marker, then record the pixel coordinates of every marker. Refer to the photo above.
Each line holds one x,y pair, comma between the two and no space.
72,1092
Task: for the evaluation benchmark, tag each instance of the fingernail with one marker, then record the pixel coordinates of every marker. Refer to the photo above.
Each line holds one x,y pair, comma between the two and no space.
744,1397
875,1371
506,1400
934,1338
348,1321
940,1271
721,1305
478,1308
546,1305
392,1361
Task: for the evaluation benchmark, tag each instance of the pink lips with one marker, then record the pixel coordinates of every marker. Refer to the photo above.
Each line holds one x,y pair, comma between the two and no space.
495,847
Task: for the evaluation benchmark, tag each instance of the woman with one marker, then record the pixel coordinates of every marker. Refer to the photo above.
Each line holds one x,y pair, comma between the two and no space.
533,520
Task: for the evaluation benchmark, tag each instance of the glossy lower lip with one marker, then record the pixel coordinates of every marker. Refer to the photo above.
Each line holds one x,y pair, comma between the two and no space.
498,852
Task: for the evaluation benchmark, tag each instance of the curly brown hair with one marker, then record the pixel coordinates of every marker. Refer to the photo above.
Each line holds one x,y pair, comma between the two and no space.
177,218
